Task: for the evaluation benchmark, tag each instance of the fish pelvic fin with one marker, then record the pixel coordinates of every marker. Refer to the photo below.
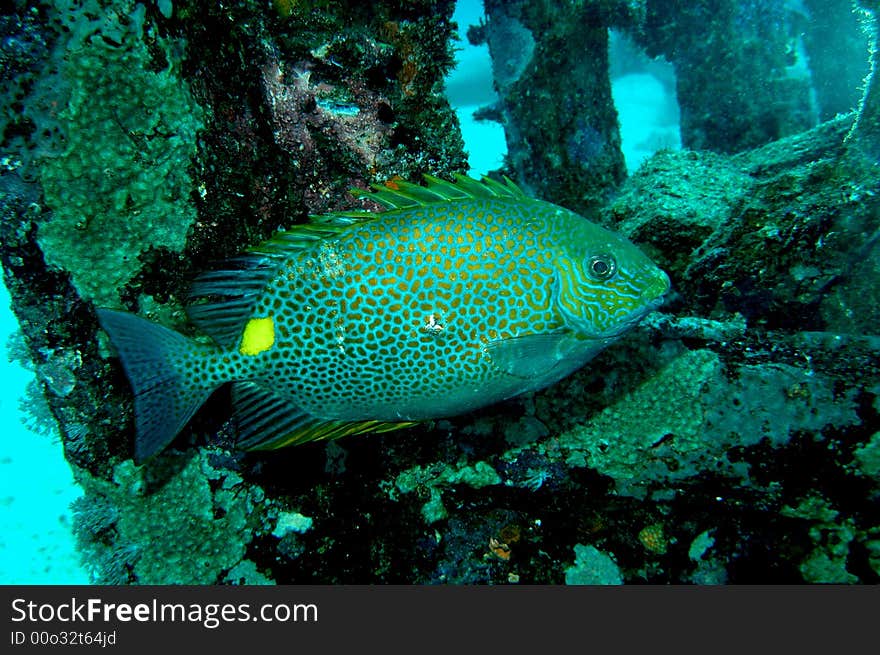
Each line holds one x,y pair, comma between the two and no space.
166,393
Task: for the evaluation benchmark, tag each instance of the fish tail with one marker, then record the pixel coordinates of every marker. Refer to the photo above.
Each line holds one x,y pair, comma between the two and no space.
166,394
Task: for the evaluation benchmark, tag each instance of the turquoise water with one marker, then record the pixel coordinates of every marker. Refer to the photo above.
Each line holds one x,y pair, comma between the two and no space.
36,489
36,484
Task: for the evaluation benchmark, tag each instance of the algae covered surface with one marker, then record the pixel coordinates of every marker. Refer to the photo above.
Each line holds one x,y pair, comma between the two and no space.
731,438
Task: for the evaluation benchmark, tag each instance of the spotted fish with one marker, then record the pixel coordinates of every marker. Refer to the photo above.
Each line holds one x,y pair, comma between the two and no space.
457,295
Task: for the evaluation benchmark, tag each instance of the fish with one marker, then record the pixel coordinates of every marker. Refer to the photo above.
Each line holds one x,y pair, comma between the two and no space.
453,296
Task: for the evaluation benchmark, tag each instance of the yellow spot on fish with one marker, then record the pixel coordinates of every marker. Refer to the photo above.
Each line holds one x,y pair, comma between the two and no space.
258,337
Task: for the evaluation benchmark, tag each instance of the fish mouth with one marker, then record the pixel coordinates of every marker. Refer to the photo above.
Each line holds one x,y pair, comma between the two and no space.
652,298
656,291
630,320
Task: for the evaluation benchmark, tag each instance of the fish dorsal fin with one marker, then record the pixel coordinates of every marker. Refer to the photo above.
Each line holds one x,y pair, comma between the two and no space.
405,195
267,421
221,301
299,238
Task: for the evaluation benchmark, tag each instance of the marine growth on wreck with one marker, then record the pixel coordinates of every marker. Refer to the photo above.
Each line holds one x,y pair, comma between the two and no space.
286,338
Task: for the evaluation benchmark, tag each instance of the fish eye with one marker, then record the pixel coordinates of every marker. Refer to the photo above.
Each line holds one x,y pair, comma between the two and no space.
602,267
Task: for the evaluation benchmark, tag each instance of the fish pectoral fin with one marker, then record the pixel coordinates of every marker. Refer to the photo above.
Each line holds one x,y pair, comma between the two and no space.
531,355
268,421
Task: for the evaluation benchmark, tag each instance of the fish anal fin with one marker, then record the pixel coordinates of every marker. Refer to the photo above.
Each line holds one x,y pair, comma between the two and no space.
268,421
323,430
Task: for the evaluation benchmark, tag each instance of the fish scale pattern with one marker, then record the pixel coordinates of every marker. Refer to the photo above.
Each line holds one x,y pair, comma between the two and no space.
398,311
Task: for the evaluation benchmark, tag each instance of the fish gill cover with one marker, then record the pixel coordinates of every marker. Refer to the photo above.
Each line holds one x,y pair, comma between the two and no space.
730,437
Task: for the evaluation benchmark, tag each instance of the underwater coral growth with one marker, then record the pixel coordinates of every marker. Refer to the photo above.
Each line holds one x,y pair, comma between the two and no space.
592,567
184,522
116,178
